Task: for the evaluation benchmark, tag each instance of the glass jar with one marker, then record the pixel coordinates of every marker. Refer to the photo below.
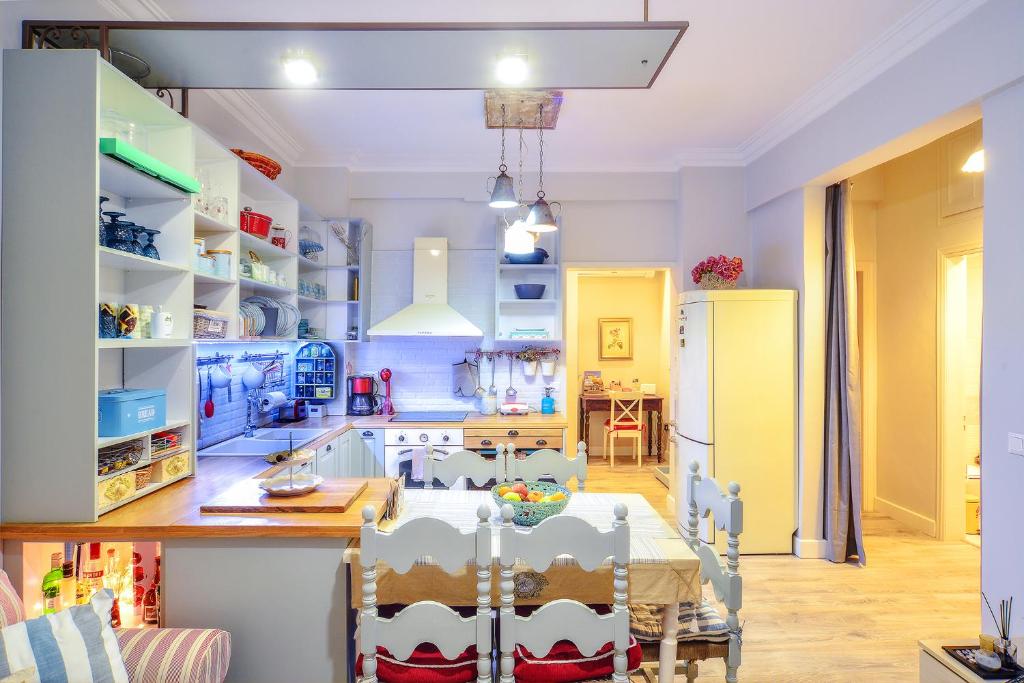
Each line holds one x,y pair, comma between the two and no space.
222,262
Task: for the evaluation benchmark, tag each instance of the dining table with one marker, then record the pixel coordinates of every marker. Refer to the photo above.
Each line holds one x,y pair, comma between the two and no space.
663,569
653,408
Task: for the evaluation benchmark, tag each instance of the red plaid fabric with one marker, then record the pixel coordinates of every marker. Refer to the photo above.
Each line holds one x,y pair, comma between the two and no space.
425,665
175,655
11,609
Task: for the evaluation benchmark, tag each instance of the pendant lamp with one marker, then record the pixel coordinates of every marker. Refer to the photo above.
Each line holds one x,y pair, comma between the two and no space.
541,218
518,240
503,194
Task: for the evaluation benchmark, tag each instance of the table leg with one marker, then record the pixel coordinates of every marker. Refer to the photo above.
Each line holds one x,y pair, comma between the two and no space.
669,645
660,439
585,437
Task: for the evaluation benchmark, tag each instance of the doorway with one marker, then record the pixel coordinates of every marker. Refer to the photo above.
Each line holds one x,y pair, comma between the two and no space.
960,395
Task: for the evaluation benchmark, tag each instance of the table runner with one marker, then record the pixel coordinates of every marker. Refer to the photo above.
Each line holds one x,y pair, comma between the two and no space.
662,567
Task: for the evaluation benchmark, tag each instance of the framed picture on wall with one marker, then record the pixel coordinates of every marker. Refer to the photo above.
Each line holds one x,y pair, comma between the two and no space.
615,338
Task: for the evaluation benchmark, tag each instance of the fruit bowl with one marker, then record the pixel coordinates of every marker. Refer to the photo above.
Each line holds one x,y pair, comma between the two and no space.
530,513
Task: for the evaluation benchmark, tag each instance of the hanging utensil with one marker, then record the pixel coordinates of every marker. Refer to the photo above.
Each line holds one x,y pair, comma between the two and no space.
510,393
208,406
493,390
474,369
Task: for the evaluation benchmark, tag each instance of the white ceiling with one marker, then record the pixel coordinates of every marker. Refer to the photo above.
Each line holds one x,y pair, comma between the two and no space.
744,72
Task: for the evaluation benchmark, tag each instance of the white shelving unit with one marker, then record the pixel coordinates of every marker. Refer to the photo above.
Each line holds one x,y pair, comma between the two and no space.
345,314
512,313
54,363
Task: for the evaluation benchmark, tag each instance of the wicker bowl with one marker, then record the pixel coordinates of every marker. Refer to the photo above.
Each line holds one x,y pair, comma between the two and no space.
532,514
260,162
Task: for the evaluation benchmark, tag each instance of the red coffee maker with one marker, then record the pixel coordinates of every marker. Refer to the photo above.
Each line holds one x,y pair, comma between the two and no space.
362,395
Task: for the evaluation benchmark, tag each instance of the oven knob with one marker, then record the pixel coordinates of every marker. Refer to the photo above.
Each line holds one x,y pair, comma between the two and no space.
401,438
424,438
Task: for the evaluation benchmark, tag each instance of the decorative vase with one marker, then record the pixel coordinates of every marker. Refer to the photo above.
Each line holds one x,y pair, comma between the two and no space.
530,368
712,281
547,368
1007,651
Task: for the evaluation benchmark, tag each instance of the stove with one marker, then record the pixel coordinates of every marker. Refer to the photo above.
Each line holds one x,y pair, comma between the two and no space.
430,416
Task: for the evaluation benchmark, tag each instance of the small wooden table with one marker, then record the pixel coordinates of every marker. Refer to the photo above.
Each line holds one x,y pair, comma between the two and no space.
938,666
653,407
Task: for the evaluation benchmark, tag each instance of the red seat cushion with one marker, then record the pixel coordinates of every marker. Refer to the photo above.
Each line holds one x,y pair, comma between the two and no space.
565,664
426,665
625,427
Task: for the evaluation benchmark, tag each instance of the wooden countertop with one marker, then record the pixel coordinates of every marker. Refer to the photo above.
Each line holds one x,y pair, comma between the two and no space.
173,512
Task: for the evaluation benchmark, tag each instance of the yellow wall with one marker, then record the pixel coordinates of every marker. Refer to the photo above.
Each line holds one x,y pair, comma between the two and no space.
903,234
639,298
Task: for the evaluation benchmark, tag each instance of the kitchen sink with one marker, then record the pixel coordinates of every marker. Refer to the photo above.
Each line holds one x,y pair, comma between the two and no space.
243,446
281,434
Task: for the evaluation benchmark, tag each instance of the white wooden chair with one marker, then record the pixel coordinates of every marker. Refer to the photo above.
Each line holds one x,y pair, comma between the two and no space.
706,498
626,422
473,466
564,619
426,621
548,463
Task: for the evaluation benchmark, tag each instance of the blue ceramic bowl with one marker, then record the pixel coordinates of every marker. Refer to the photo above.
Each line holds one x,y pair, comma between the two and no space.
537,257
530,291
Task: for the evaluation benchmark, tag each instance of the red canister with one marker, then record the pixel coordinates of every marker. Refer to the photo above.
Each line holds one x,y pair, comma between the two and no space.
254,223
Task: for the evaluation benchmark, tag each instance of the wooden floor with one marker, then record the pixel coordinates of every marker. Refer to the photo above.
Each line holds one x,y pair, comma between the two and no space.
811,620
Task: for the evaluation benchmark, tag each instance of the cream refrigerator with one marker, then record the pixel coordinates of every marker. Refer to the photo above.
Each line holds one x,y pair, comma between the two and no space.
737,407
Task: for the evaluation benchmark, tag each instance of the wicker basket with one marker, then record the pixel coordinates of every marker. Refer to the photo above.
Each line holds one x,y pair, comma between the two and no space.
142,477
712,281
532,514
208,324
260,162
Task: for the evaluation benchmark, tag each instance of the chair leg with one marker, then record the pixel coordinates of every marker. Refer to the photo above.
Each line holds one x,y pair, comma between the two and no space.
639,452
691,671
730,674
610,449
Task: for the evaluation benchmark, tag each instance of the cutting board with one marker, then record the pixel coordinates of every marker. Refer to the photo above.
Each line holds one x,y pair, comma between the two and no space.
334,495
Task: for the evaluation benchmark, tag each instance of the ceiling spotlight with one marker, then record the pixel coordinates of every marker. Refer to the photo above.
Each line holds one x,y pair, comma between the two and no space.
512,69
299,69
975,163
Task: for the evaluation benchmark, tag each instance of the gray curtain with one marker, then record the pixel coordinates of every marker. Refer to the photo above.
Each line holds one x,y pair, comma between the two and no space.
843,537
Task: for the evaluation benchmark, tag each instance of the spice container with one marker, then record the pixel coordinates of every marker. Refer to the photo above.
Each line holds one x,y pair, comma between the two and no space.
221,262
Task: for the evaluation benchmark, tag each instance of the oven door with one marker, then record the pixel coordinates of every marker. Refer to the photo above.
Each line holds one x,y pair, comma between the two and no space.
398,462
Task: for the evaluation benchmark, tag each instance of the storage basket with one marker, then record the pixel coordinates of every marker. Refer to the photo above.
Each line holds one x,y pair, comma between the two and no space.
260,162
115,489
142,477
254,223
209,324
119,456
170,467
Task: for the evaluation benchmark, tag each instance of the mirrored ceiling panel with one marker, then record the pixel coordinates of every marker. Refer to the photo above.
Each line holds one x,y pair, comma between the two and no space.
399,57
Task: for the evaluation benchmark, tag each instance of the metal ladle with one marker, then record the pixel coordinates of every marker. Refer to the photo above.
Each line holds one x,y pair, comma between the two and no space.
510,393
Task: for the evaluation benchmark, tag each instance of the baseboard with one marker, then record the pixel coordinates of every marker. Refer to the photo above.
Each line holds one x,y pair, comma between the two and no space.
905,516
809,548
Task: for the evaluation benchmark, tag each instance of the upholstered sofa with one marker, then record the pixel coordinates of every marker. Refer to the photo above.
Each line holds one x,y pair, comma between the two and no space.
152,655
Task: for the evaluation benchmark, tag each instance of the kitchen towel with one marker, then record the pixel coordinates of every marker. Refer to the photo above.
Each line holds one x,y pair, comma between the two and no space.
463,379
273,399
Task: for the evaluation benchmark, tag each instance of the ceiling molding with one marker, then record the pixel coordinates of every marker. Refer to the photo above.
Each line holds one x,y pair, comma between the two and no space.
925,22
248,112
709,156
134,10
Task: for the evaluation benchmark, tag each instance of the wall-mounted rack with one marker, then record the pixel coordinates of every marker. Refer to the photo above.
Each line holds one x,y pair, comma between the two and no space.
216,359
261,357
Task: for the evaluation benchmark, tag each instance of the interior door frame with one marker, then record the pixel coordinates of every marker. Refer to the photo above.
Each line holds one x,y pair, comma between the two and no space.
869,390
943,503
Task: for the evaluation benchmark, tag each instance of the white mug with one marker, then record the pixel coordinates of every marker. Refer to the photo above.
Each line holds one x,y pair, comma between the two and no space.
162,324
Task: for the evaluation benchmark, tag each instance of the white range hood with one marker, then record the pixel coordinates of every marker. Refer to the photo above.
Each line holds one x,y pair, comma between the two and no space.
429,315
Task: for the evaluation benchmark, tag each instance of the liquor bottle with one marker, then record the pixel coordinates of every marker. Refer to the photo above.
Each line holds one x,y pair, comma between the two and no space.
51,585
110,578
67,581
92,573
150,606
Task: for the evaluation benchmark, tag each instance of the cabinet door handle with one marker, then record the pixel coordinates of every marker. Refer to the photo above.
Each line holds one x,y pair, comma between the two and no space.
486,442
329,447
542,442
513,432
367,433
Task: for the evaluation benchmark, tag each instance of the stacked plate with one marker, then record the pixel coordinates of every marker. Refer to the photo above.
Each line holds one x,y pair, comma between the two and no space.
255,321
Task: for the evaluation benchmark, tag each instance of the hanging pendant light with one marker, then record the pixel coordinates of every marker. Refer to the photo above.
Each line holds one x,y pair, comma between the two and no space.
541,218
518,240
503,194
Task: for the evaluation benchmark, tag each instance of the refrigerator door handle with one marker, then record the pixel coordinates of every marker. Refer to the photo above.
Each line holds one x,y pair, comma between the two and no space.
702,443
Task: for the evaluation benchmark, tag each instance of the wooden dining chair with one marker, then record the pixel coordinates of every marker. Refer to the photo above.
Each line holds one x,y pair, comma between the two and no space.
626,422
463,463
726,509
563,620
425,621
548,463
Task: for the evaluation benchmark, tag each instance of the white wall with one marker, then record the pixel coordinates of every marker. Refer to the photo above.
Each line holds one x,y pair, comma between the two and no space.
787,246
1002,399
712,220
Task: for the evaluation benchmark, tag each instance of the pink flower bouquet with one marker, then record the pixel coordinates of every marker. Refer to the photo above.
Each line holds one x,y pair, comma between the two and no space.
717,272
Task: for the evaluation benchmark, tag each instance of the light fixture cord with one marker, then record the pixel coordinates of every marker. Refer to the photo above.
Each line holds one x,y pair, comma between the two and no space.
502,167
540,150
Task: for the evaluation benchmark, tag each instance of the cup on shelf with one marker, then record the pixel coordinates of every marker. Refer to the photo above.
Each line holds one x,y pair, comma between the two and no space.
108,320
128,321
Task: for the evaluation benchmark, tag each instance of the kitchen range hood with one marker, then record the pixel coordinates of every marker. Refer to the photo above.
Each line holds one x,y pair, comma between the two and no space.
429,315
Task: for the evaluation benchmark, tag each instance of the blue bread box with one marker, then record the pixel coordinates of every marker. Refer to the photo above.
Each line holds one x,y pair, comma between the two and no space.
127,411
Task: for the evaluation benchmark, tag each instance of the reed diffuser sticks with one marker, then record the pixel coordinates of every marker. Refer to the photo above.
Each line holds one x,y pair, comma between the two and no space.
1005,615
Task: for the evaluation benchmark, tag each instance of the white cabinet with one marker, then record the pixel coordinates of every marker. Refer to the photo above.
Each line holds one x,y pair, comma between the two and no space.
372,449
327,460
959,191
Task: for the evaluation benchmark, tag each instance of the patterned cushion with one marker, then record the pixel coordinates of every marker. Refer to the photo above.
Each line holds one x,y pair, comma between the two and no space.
175,655
76,645
11,609
702,623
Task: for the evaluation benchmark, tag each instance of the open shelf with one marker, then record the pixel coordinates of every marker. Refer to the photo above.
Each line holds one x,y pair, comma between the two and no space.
259,187
311,300
122,260
263,248
144,491
123,343
528,302
527,266
104,441
212,279
264,287
204,223
126,181
309,264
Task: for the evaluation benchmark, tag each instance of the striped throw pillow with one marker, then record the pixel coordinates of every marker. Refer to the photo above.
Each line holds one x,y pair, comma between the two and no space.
75,645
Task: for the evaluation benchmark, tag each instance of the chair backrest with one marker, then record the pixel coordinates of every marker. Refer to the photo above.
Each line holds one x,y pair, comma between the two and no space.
564,619
425,621
463,463
548,463
627,409
727,513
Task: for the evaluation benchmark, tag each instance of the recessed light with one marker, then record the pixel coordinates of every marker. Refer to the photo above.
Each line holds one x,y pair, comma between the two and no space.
975,163
299,69
512,69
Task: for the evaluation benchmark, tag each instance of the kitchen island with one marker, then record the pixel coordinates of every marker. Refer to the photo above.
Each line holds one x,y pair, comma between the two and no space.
276,581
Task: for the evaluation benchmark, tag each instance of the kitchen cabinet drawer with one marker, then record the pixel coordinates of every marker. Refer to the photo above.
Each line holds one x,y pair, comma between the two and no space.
479,439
